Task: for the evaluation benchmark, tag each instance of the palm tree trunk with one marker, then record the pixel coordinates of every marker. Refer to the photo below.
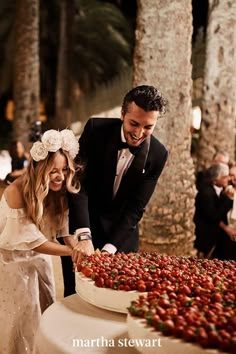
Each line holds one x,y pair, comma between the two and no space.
63,89
219,95
26,68
162,58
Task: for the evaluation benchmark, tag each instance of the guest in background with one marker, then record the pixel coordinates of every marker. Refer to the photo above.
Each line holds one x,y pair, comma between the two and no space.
19,160
33,213
226,249
219,157
211,207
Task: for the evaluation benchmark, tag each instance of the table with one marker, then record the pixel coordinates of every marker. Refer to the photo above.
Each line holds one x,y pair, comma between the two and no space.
75,326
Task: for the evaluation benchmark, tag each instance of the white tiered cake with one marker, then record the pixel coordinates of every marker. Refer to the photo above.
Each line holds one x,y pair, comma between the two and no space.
105,298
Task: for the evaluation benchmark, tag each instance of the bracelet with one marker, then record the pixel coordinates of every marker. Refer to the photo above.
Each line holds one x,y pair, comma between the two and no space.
84,236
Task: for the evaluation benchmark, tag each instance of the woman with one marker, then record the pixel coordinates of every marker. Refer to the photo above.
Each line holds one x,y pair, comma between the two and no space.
33,212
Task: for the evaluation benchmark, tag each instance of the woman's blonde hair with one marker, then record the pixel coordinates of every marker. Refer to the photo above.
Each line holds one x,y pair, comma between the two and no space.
38,198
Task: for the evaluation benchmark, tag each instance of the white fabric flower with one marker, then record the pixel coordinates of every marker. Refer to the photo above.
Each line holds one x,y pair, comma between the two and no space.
52,140
74,150
38,151
69,142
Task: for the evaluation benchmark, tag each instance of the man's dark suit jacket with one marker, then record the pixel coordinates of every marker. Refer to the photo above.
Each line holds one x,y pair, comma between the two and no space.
209,211
113,220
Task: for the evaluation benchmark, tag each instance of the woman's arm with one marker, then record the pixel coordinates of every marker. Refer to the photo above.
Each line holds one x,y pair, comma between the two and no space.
70,241
54,249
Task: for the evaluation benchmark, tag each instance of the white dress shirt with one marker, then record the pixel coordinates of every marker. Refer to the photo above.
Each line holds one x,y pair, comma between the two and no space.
124,159
217,189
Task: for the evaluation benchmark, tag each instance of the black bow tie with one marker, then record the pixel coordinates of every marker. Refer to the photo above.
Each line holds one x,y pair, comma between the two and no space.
132,149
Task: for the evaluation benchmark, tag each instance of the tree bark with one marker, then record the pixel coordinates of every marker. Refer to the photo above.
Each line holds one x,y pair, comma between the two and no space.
26,69
219,90
64,86
162,59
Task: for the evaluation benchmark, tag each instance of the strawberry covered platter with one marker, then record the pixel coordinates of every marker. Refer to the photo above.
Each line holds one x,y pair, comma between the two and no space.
99,277
189,303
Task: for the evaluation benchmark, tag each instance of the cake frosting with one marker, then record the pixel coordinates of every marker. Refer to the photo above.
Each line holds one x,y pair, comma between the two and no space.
109,299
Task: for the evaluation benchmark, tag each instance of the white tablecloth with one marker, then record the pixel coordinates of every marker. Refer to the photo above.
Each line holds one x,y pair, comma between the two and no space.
74,326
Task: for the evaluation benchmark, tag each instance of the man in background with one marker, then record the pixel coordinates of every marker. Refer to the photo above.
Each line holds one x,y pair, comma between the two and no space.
211,207
219,157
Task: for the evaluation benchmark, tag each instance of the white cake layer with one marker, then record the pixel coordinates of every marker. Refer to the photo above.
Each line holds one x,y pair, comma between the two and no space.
148,341
109,299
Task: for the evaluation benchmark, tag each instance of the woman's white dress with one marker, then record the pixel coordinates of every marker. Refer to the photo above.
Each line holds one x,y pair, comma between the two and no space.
26,280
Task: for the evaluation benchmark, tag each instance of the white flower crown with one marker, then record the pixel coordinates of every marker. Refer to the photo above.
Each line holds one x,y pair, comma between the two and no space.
53,140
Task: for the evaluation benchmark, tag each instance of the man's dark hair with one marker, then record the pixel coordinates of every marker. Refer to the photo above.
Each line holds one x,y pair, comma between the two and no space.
146,97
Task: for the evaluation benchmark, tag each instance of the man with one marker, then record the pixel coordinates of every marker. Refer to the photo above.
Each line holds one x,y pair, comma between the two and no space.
211,206
118,183
219,157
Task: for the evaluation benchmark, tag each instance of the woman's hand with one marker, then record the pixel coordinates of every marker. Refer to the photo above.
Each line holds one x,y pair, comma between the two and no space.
81,249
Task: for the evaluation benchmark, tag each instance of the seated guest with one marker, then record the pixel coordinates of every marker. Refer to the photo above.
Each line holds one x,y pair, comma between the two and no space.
210,210
219,157
19,160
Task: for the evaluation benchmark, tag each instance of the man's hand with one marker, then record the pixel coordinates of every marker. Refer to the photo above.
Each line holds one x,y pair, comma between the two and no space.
81,249
231,232
229,191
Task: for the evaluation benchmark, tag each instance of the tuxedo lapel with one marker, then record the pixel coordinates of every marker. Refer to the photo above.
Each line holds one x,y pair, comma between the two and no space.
110,159
139,161
136,169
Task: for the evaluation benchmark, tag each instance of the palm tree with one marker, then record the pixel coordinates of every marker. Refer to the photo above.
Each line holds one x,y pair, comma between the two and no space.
6,68
92,60
64,84
219,91
26,68
162,58
85,60
6,45
103,41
